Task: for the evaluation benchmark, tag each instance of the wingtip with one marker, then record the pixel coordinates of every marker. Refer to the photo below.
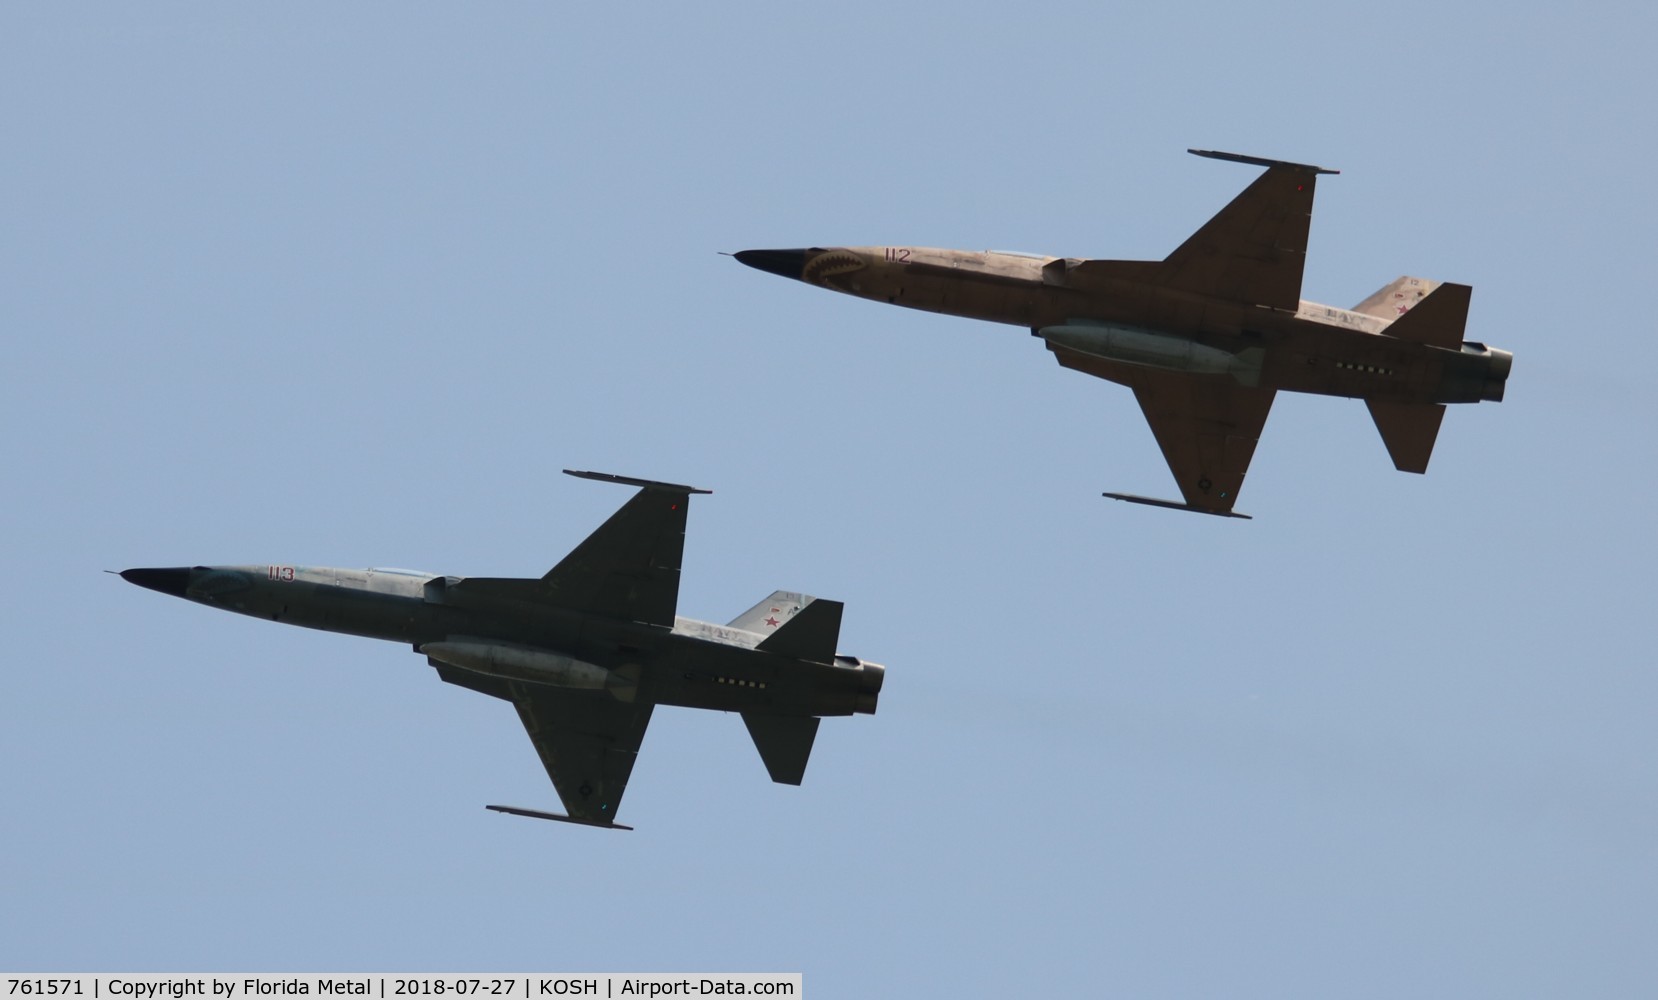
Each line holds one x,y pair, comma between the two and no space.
1259,161
555,817
1175,505
649,484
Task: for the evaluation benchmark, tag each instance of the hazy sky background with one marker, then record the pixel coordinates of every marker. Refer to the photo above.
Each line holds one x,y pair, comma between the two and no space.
348,284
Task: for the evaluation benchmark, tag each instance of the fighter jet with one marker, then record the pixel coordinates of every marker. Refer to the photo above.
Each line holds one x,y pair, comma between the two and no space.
585,652
1206,336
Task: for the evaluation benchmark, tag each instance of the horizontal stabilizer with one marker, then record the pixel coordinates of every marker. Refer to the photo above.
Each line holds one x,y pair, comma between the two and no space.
556,817
1437,320
809,635
1176,505
784,742
1408,430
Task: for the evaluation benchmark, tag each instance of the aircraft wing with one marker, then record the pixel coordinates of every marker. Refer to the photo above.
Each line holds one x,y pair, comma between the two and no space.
1206,426
587,741
629,567
1207,430
1253,250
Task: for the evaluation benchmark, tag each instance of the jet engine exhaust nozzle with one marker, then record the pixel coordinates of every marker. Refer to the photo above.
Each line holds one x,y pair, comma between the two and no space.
870,678
1477,373
1496,377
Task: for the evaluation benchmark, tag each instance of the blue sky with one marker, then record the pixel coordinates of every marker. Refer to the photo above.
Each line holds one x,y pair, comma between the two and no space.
347,285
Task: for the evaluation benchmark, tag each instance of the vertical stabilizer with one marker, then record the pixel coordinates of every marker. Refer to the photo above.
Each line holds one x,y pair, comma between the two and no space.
1396,298
767,616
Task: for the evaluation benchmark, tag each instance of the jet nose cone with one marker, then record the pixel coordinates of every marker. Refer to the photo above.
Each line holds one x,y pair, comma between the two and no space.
168,581
787,263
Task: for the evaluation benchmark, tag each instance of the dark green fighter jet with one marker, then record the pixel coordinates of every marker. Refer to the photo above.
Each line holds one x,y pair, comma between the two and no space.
587,651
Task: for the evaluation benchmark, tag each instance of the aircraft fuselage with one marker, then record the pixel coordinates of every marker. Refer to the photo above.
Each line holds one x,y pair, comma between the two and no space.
496,638
1316,349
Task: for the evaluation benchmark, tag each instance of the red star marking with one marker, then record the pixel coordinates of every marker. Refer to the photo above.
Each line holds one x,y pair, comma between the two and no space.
772,622
1402,308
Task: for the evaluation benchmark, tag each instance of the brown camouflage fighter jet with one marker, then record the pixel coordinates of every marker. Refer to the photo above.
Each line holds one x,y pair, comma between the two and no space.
1207,335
